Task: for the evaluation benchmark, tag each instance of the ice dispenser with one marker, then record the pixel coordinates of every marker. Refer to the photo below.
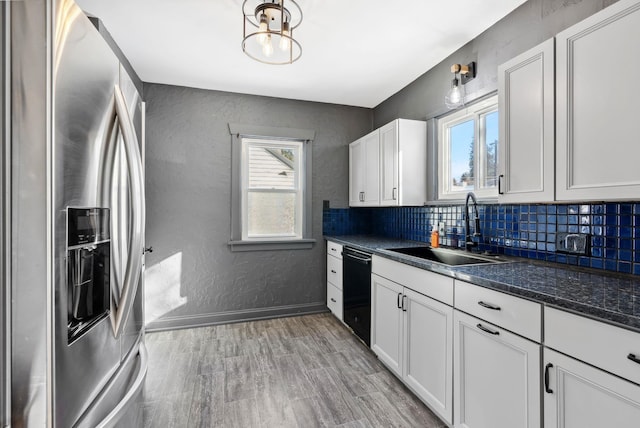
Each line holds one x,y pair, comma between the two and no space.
88,269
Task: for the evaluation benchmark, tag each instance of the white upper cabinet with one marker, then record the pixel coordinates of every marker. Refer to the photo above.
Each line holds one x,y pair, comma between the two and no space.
388,166
356,172
597,127
364,171
526,100
403,163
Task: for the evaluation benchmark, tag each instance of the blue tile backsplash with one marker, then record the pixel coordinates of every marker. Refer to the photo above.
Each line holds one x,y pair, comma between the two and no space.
517,230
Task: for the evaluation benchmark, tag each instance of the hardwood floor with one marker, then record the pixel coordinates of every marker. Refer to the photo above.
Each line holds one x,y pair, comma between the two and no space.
306,371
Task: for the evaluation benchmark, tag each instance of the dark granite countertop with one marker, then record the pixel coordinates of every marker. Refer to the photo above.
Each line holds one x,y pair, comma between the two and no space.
601,295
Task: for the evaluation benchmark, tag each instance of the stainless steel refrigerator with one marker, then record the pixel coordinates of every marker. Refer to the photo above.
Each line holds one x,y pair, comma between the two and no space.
74,217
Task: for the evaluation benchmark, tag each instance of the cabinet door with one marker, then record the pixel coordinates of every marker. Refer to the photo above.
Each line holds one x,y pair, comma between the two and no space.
526,99
597,120
356,173
389,164
371,185
581,396
387,315
334,300
428,334
496,376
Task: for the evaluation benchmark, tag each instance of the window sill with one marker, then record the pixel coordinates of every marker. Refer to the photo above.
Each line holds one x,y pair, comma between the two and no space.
297,244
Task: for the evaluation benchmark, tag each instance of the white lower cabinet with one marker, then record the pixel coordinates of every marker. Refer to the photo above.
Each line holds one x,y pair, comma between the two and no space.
334,279
334,300
479,362
387,317
593,383
412,336
497,376
578,395
428,370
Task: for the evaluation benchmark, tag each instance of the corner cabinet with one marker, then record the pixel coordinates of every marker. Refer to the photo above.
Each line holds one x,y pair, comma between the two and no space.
364,171
387,167
526,100
597,126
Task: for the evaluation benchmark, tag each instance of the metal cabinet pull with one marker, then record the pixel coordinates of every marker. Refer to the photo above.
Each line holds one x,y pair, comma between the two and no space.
500,177
333,300
333,249
546,379
404,307
398,301
634,358
489,306
393,193
333,271
487,330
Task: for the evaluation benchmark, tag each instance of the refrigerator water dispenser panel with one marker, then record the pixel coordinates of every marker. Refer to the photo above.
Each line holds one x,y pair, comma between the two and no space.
88,269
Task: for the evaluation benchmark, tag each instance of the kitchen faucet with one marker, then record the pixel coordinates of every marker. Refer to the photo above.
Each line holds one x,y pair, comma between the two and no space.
469,243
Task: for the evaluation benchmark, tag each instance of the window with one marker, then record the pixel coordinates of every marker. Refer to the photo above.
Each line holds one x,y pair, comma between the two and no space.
468,151
271,188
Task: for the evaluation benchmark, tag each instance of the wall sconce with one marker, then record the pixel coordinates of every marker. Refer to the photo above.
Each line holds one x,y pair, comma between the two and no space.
455,96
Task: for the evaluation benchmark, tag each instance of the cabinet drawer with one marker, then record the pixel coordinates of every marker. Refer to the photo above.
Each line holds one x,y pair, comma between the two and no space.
430,284
509,312
334,271
600,344
334,249
334,300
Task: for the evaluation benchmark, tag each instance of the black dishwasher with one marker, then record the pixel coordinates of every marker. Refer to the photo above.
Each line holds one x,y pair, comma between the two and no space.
356,289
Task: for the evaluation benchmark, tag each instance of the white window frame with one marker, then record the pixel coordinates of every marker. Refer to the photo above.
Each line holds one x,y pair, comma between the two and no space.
444,124
298,188
239,241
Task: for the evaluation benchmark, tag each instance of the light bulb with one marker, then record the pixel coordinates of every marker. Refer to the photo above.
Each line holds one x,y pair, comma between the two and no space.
454,97
263,28
285,42
267,48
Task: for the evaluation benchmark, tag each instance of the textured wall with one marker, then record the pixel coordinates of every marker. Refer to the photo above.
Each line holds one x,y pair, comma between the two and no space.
193,277
530,24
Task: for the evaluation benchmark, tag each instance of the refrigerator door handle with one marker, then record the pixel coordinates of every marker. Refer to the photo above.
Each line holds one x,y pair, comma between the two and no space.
134,262
113,417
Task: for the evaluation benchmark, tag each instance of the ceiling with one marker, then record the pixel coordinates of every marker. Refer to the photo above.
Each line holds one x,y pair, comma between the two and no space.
355,52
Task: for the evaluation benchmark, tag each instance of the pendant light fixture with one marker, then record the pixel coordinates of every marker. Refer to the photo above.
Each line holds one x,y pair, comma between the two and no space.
268,31
455,96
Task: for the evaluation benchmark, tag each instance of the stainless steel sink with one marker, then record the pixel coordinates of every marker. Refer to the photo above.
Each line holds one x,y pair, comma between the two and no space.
447,256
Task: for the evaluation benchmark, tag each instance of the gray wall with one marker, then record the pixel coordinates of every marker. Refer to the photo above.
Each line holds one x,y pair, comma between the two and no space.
193,278
532,23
